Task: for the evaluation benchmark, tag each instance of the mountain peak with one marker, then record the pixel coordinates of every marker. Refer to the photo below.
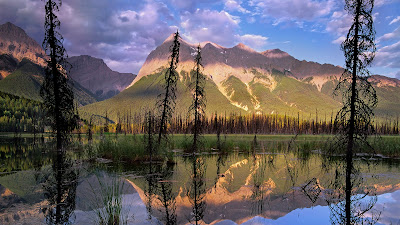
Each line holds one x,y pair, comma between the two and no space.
244,47
275,53
94,74
204,43
12,32
15,42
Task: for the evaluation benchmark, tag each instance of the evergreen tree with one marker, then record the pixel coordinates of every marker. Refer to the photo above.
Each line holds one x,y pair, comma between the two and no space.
198,105
106,129
149,134
56,90
166,104
359,97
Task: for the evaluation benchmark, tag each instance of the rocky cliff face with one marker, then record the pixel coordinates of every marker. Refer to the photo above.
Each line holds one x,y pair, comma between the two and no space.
93,74
16,44
246,81
236,60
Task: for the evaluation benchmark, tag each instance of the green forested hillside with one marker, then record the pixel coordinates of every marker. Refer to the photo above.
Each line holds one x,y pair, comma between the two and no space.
143,94
25,82
19,114
272,93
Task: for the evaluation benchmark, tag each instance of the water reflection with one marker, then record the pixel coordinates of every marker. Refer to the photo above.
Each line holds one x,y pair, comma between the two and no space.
197,189
160,199
351,200
261,187
60,190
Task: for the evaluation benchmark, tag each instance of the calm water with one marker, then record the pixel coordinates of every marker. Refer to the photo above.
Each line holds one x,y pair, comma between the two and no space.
38,186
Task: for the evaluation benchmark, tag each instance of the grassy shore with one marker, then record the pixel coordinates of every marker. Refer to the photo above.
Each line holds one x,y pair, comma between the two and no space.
132,147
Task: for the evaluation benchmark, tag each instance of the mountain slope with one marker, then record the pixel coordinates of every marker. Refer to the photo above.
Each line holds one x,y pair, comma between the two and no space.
246,81
15,42
93,74
92,78
143,97
26,80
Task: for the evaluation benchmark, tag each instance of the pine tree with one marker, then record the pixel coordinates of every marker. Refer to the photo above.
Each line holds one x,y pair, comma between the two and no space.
56,90
106,129
166,104
198,105
359,97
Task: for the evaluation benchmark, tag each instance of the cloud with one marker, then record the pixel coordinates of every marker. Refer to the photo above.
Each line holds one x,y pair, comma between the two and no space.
209,25
116,31
27,14
235,5
339,23
190,5
256,42
379,3
339,40
388,56
390,36
303,10
395,20
397,75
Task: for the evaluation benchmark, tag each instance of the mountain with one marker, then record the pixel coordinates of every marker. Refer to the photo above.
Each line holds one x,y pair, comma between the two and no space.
242,80
26,81
16,45
91,78
93,74
22,62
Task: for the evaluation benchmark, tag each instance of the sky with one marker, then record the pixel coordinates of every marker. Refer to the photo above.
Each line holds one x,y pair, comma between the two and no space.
124,32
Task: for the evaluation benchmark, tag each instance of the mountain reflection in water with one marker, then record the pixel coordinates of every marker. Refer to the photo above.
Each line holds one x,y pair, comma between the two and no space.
235,188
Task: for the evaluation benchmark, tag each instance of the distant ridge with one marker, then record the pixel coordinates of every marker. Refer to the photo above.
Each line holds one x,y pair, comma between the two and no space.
93,74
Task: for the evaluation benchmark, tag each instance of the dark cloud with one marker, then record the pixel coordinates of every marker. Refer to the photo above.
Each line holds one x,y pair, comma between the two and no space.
118,31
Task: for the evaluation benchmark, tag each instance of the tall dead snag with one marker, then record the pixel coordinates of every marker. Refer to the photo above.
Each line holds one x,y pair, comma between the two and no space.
166,103
359,97
198,105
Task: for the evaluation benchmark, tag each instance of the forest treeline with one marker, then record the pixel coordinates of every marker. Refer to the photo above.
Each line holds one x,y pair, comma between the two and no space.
129,123
18,114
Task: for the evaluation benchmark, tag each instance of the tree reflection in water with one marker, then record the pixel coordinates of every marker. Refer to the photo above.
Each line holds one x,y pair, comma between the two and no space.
348,200
60,190
259,188
349,197
197,189
151,179
166,196
159,194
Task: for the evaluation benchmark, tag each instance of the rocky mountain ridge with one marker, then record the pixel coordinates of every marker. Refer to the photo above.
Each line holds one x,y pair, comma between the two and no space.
93,78
98,77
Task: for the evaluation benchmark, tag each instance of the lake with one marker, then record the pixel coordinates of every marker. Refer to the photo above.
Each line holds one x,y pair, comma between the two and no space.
263,186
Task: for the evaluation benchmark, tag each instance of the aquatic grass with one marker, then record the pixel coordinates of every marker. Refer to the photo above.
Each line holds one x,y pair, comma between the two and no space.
388,146
123,148
107,202
132,149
